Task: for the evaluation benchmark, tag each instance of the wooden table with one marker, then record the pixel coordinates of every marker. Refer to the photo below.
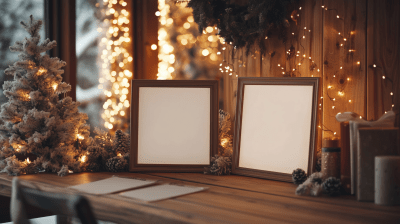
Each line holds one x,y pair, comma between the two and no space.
229,199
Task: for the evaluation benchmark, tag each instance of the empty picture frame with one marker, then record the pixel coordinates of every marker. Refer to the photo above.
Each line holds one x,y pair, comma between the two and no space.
275,127
174,125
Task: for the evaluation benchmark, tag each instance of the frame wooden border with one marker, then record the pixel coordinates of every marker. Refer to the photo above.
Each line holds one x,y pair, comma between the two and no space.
136,84
308,81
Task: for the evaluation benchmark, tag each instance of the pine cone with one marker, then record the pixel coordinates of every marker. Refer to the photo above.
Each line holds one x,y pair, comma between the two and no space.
299,176
332,186
220,165
116,164
121,143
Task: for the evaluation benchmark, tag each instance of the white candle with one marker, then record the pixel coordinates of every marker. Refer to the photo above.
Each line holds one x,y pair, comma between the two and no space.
387,180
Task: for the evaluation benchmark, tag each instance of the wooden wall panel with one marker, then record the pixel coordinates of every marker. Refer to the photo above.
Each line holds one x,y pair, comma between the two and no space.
372,33
276,54
311,18
342,73
383,49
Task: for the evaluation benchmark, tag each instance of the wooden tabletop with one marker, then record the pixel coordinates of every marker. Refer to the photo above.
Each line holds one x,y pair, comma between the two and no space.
229,199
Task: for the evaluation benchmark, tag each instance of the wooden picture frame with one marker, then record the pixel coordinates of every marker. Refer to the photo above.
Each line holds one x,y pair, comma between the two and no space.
174,125
275,126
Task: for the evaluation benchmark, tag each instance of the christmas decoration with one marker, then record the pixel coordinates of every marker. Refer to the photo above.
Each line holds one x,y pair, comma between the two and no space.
108,152
299,176
224,135
183,52
35,120
312,186
97,157
221,164
121,142
117,164
331,186
244,25
116,62
35,123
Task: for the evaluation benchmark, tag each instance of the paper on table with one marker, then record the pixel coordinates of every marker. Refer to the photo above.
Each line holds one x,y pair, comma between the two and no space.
161,192
111,185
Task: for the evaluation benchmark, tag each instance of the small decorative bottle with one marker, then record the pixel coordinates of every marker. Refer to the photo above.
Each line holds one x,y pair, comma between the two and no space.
330,159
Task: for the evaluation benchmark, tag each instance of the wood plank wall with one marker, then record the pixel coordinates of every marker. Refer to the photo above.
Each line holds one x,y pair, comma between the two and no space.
370,34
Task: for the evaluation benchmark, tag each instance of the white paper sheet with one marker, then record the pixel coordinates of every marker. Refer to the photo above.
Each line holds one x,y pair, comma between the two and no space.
161,192
111,185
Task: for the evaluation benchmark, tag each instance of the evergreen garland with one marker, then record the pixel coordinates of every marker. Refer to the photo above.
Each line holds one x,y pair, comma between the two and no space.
221,164
244,25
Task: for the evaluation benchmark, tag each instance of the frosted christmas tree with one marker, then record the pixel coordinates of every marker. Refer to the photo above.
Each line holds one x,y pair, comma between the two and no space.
35,121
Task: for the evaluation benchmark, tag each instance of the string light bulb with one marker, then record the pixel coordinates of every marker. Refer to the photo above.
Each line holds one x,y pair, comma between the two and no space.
115,62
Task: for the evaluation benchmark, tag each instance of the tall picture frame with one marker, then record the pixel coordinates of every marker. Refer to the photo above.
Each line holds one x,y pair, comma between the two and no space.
275,126
174,125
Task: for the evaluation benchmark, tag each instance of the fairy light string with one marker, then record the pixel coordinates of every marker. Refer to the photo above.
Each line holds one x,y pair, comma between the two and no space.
178,36
116,63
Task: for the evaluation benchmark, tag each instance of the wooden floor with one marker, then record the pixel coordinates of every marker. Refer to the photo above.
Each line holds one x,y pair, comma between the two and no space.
229,199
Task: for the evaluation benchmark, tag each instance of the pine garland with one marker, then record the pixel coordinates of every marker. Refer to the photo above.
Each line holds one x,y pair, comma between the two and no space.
244,25
221,164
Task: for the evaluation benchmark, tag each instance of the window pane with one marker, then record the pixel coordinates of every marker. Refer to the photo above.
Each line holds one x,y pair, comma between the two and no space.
87,92
11,13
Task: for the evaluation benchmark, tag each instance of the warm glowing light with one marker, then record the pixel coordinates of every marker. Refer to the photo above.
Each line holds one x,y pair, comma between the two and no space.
158,13
186,25
41,71
329,87
119,154
55,87
391,93
80,137
70,171
184,42
349,101
205,52
340,93
116,57
154,47
358,62
224,142
209,29
83,158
